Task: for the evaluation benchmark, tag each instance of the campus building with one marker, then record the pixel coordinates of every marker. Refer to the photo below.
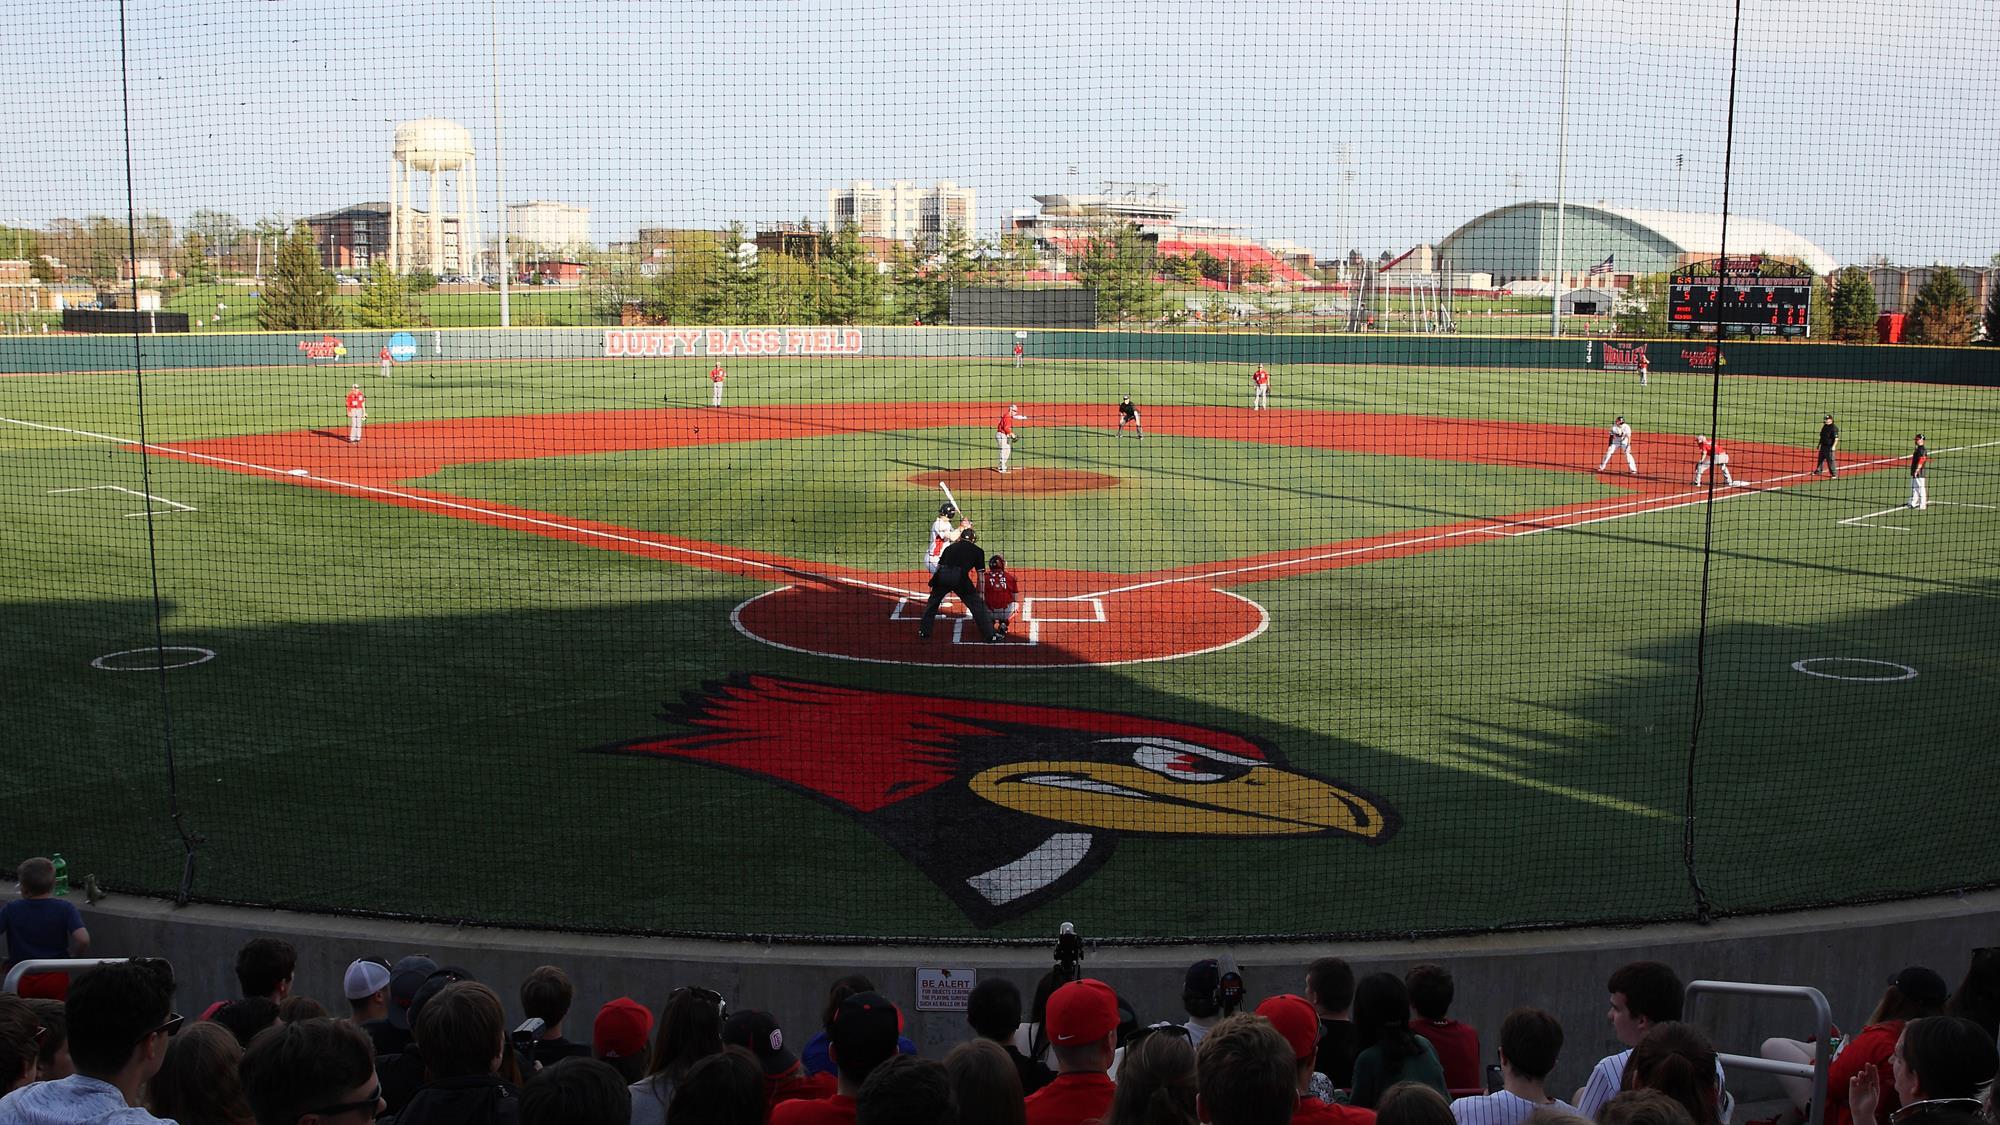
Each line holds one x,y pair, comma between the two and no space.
902,211
1518,243
350,239
545,228
1066,223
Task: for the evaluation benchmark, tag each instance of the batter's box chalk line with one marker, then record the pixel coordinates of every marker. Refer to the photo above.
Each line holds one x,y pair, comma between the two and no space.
177,506
1094,615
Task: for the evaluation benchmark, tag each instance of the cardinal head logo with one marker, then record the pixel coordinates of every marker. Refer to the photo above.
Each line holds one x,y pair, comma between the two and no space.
1006,806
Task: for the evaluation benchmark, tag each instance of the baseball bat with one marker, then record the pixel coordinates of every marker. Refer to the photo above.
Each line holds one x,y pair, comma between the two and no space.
950,497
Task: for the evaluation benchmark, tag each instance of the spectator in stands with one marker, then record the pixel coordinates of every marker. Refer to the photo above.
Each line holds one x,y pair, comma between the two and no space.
784,1077
1678,1059
21,1033
198,1081
1033,1038
1530,1041
1643,993
986,1080
690,1030
546,995
404,1072
365,984
1156,1080
1640,1107
1412,1103
1943,1066
463,1033
576,1091
1457,1044
906,1090
1914,993
619,1034
264,967
312,1070
406,978
120,1020
245,1018
54,1055
1389,1051
1245,1074
296,1008
41,926
1298,1022
814,1053
994,1011
726,1088
862,1033
1200,998
1330,987
1083,1034
1977,997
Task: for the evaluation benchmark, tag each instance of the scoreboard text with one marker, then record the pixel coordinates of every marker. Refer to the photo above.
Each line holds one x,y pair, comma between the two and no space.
1741,304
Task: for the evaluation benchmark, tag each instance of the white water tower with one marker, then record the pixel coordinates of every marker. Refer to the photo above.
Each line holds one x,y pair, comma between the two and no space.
438,149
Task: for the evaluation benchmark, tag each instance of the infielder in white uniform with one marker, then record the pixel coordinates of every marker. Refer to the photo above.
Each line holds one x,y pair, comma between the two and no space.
943,534
1621,442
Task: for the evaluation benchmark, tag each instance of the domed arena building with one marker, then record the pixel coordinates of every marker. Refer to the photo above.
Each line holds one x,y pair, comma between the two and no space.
1518,242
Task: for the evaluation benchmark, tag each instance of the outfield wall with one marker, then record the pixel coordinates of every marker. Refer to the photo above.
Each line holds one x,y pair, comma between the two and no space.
1845,952
1971,366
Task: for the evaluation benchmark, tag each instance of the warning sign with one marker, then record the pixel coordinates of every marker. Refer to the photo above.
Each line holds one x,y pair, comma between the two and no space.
944,990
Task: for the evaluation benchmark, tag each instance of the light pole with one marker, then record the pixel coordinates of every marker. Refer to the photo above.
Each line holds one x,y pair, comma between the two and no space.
1562,173
499,160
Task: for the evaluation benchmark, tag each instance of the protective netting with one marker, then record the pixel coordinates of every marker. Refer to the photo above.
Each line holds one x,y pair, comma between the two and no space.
357,559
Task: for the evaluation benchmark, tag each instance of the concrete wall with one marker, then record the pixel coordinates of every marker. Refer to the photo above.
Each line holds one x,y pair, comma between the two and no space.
1847,953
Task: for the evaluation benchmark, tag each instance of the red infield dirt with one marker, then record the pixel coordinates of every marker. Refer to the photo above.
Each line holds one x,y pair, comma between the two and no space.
1017,481
1067,617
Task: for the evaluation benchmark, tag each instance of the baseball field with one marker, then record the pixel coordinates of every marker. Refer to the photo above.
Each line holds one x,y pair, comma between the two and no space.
559,644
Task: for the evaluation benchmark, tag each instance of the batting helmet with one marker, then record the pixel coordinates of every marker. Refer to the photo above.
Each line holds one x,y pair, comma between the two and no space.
997,562
947,509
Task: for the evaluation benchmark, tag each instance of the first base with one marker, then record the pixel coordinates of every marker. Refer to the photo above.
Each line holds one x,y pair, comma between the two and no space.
300,473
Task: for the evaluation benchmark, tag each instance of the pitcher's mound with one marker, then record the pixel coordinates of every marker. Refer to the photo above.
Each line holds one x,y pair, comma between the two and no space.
1017,481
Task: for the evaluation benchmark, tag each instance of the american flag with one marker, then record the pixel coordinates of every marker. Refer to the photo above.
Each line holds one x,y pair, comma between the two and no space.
1602,267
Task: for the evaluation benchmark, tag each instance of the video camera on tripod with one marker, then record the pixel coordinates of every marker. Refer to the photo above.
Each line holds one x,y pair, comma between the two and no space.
1069,954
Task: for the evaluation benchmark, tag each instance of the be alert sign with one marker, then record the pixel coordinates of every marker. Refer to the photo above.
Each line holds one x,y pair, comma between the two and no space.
944,990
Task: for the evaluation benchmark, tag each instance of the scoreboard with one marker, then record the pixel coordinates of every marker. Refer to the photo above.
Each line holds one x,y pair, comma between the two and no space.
1741,303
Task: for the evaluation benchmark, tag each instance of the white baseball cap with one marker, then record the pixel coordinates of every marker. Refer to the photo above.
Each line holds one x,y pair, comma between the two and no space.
364,978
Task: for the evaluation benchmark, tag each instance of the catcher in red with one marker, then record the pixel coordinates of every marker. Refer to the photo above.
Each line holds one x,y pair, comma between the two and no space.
1002,591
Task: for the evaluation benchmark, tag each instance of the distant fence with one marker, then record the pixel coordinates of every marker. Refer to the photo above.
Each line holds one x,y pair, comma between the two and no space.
1971,366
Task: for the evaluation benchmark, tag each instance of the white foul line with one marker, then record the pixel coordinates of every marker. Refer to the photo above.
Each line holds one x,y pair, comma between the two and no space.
1643,506
455,506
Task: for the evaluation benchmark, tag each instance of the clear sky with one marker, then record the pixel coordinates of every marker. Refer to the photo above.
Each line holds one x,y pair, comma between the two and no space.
1869,128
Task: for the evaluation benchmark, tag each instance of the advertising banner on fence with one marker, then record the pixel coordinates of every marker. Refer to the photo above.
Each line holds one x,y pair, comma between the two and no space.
640,343
1659,355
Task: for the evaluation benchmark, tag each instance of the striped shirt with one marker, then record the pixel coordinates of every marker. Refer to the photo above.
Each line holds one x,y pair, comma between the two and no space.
1502,1108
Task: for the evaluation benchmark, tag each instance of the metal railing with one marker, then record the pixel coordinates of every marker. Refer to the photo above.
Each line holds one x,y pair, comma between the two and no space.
69,965
1822,1036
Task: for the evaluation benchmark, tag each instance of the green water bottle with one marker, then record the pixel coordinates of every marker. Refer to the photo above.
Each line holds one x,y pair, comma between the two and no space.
62,873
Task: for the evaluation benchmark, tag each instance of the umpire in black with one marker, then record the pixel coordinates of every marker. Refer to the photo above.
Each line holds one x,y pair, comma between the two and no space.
956,566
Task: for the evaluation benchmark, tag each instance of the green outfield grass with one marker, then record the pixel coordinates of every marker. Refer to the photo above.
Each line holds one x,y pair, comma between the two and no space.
400,714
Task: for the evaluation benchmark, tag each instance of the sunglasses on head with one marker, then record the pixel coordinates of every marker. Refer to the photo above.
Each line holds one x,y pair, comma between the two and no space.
708,994
171,1027
1163,1027
372,1103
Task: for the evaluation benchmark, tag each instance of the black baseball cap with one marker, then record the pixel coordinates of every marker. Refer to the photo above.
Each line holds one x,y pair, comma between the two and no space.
1921,986
760,1033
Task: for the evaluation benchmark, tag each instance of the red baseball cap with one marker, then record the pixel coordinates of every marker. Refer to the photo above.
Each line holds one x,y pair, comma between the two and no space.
1082,1011
1296,1020
621,1028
